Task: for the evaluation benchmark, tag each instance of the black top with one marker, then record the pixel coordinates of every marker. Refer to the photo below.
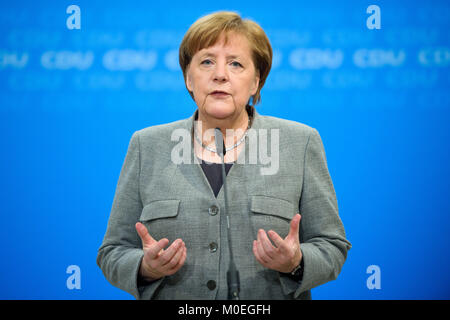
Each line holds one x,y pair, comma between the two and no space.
213,172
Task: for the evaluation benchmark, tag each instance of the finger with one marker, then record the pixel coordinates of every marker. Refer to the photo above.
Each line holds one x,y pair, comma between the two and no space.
256,254
179,264
279,242
266,244
175,259
255,251
295,227
261,253
142,231
155,249
170,252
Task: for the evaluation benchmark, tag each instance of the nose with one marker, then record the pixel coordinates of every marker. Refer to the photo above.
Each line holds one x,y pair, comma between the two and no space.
220,73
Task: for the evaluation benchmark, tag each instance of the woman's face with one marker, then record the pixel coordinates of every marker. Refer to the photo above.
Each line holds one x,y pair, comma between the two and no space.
223,77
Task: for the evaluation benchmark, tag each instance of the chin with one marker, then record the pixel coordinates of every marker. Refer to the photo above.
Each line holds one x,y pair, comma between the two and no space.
220,111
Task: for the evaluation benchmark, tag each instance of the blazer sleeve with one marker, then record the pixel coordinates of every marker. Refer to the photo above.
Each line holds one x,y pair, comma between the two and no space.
120,255
322,236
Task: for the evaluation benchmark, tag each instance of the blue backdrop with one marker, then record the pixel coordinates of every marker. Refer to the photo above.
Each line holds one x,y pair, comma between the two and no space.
71,99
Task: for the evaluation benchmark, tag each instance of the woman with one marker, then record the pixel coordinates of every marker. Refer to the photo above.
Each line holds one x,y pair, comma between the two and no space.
225,62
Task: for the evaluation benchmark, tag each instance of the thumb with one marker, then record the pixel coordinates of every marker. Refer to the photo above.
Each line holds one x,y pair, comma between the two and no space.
146,238
295,227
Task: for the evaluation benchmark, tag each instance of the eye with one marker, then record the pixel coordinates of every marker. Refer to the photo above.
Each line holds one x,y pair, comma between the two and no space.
236,64
206,62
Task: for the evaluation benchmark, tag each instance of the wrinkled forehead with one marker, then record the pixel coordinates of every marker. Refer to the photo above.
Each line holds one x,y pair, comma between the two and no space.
231,43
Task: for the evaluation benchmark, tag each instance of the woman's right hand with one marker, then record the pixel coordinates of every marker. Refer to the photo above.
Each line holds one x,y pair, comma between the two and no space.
159,262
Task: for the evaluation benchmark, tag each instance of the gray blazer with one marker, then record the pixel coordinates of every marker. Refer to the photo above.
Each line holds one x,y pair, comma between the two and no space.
174,200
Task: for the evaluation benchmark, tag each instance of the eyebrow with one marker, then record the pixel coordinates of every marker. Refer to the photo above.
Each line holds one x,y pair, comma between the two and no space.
210,54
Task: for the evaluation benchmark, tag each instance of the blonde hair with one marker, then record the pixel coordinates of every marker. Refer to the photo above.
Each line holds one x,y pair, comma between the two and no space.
206,31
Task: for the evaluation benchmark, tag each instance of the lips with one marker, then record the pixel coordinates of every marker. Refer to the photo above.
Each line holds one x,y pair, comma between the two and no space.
219,91
219,94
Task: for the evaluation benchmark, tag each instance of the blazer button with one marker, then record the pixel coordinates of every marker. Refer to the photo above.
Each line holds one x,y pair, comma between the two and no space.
211,284
213,247
213,210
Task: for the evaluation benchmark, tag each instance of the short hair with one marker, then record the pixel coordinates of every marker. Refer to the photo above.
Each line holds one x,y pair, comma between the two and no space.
206,31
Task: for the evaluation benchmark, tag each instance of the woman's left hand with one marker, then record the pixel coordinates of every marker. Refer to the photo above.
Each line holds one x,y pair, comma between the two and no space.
286,253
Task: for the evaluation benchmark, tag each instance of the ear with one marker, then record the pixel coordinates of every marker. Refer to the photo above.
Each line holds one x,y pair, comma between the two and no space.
189,85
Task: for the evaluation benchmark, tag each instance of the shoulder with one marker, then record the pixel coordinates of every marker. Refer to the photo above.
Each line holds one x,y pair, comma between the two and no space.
289,128
159,139
161,133
161,129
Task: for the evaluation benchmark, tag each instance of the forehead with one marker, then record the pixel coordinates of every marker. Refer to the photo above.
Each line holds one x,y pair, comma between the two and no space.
235,45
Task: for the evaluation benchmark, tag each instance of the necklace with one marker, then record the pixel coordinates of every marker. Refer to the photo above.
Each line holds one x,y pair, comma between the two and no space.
226,149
